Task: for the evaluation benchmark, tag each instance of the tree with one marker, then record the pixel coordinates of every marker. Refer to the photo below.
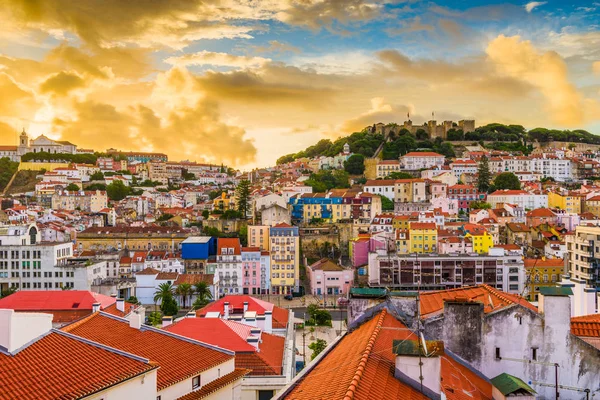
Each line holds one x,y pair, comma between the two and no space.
133,300
318,316
7,170
317,347
96,186
205,214
507,180
421,134
155,318
164,290
243,197
164,217
117,190
484,176
479,205
184,290
187,176
8,292
355,164
400,175
169,306
203,294
97,176
386,204
71,187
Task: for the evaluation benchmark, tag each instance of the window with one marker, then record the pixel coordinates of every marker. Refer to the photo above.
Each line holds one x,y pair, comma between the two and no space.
498,353
534,353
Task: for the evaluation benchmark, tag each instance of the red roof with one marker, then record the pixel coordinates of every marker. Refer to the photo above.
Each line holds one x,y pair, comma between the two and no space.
282,225
236,304
58,366
216,385
422,225
54,300
432,302
507,192
541,212
177,358
233,243
231,335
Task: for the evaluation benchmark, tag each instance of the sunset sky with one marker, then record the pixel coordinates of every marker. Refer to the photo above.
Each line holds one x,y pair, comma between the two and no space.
245,82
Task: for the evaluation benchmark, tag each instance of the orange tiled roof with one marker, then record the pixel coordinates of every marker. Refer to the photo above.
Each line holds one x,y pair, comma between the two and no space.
586,328
216,385
432,302
112,309
58,366
178,358
360,366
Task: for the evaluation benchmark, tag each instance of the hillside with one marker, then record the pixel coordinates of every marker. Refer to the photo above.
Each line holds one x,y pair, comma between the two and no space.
24,181
7,170
497,137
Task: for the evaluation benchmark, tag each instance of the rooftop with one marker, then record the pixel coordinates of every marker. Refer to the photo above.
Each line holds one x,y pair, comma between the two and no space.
236,305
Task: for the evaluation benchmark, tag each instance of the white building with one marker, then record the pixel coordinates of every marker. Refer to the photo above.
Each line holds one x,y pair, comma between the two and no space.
382,187
521,198
229,266
421,160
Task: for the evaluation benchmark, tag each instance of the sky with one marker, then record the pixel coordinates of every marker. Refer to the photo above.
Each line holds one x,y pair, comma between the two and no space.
244,82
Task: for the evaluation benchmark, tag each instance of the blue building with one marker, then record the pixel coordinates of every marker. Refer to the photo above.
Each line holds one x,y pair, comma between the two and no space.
195,252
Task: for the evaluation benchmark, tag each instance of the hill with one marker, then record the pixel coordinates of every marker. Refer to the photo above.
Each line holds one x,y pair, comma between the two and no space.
502,137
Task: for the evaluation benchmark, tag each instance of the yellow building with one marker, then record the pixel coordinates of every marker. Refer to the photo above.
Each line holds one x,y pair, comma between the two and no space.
592,205
542,273
481,241
401,222
285,258
571,203
423,237
224,203
38,166
258,236
409,190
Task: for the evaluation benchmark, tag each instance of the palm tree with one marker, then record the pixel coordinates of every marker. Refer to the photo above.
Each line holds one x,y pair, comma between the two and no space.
164,291
184,290
203,294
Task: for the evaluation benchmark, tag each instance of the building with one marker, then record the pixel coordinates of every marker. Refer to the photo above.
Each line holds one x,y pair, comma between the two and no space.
157,172
542,272
138,156
184,365
256,271
329,278
195,252
387,167
267,357
381,187
88,201
229,266
583,253
65,306
410,191
482,241
285,258
571,203
423,237
460,167
68,363
335,206
258,236
275,214
132,238
500,268
37,145
421,160
520,198
464,194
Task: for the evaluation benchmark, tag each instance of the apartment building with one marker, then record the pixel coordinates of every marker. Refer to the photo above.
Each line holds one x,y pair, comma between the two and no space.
520,198
421,160
335,205
583,255
157,171
89,201
229,266
386,167
285,258
258,236
410,191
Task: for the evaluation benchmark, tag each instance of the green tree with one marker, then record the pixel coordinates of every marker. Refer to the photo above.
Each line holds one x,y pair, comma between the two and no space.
205,214
243,197
386,204
400,175
155,318
203,294
421,134
355,164
232,214
133,300
169,306
483,175
479,205
8,292
507,180
243,235
7,170
72,187
318,316
164,217
96,186
97,176
184,290
187,176
317,347
117,190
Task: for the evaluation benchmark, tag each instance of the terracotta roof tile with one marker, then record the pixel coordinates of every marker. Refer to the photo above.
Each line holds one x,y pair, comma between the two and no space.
58,366
54,300
177,357
216,385
236,302
585,328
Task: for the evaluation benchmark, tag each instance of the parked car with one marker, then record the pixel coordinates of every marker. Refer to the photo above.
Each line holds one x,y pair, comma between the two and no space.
342,301
288,297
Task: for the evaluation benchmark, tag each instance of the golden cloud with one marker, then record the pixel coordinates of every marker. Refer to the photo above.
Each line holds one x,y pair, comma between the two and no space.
596,67
62,83
219,59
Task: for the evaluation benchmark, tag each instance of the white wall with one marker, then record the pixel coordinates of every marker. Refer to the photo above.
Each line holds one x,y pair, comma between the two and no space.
174,392
18,329
140,387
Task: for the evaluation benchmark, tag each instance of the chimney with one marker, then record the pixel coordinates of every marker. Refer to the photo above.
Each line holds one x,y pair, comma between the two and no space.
135,320
95,307
120,304
557,299
113,295
268,321
245,307
256,332
191,314
589,302
166,321
253,340
18,329
409,353
226,310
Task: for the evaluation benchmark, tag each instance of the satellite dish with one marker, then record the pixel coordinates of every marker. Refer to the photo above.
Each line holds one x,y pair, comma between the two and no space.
423,343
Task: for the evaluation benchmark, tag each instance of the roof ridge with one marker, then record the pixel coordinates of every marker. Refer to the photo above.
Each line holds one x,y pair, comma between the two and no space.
365,356
75,324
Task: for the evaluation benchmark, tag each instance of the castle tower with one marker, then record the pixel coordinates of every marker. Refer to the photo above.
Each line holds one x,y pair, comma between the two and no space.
346,148
23,143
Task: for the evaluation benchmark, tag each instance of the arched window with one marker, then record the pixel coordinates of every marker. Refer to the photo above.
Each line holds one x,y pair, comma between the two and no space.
33,234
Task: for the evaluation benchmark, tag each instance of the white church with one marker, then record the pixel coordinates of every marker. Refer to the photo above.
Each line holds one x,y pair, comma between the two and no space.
37,145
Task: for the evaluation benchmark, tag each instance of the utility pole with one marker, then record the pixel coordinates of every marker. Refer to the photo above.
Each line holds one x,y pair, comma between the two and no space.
419,333
303,339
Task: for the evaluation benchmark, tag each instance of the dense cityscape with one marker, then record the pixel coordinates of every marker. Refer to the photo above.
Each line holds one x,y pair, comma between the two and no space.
195,204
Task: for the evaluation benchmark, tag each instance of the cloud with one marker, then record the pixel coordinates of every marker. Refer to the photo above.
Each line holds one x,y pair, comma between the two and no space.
16,101
62,83
596,67
276,46
219,59
410,26
380,111
529,7
547,72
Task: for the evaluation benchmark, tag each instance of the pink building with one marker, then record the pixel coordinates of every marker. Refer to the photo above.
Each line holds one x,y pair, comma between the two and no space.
326,277
359,250
452,244
251,270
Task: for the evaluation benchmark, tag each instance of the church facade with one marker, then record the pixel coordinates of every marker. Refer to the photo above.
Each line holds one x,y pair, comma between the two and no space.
40,144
